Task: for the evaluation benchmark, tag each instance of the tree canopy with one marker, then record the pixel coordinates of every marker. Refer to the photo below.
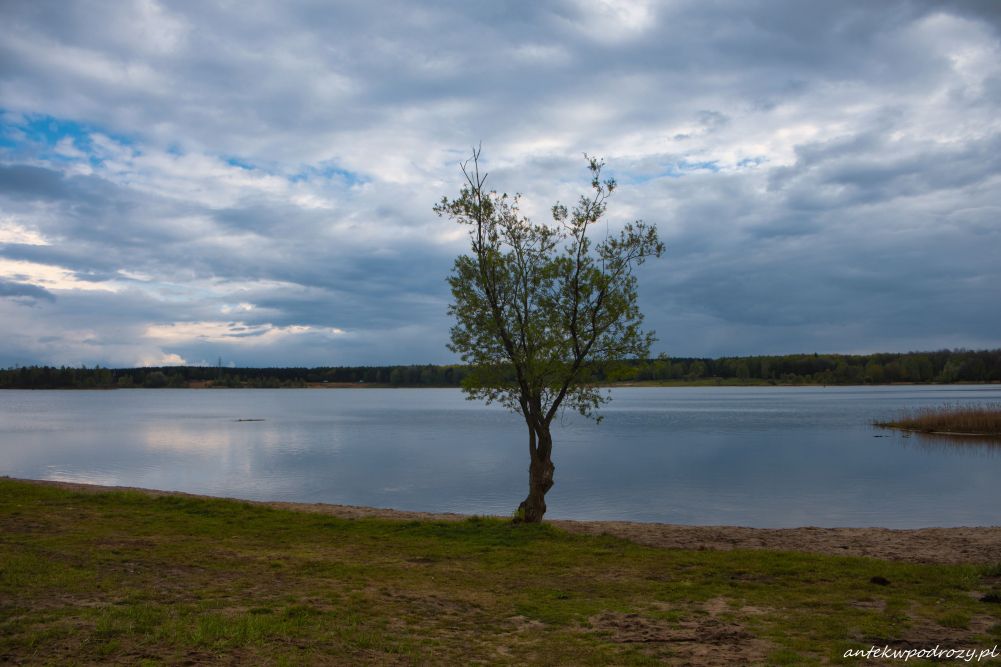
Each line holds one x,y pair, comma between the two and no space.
941,366
538,307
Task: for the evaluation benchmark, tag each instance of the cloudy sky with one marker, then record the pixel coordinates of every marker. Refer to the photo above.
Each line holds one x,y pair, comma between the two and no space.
253,181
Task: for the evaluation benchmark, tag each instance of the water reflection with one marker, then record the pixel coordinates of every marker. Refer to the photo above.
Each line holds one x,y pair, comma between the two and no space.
221,437
55,474
760,456
185,440
979,445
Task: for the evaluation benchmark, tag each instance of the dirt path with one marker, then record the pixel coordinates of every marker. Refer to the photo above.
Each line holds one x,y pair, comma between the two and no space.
925,545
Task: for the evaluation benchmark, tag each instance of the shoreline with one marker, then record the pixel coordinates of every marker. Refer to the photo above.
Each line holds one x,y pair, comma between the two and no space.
961,545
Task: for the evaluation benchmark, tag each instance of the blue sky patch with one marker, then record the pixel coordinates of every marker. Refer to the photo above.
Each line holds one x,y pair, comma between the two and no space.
241,163
329,171
45,137
671,170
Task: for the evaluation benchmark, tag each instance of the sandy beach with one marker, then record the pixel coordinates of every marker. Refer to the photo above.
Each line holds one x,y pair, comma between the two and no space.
980,544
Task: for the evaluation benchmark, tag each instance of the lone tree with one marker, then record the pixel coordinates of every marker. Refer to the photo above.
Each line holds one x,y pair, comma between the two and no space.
540,307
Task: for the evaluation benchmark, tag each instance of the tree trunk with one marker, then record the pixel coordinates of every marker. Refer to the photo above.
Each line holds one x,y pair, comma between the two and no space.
540,475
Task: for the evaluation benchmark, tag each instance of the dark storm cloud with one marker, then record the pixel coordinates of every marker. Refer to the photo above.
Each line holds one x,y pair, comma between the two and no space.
24,292
32,183
182,181
869,169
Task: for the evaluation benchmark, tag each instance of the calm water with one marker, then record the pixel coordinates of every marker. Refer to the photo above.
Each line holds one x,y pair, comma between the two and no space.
749,456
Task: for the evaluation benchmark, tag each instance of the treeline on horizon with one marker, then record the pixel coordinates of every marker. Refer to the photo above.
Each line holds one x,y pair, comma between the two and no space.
942,367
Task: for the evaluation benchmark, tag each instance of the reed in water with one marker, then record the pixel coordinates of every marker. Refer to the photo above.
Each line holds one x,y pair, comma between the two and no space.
981,419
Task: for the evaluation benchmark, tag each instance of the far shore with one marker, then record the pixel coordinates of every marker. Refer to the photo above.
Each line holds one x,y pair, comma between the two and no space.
707,382
973,545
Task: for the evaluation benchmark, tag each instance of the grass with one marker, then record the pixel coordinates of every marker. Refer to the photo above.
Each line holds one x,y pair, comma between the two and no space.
125,578
982,419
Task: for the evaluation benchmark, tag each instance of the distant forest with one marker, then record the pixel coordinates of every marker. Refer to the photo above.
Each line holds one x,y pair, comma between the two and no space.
942,367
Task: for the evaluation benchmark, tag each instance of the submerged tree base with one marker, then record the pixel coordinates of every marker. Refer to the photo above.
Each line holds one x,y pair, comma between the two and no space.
972,420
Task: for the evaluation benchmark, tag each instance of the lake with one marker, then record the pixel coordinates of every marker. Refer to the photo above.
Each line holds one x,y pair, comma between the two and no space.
753,456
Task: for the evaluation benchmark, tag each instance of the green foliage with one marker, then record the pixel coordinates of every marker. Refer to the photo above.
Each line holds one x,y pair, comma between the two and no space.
943,366
538,307
155,380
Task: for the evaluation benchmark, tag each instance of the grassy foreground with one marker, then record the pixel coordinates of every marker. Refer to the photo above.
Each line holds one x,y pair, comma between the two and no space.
123,577
982,419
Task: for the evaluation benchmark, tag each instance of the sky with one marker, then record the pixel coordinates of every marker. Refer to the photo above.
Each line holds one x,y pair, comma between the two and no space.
253,182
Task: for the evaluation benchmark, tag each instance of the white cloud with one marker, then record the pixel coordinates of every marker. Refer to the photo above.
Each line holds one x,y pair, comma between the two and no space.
12,232
612,21
50,277
162,359
233,333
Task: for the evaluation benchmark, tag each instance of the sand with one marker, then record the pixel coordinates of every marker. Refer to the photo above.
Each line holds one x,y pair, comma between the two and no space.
925,545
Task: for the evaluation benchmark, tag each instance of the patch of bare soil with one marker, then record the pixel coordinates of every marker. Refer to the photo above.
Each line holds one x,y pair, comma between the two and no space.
924,545
924,634
702,640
